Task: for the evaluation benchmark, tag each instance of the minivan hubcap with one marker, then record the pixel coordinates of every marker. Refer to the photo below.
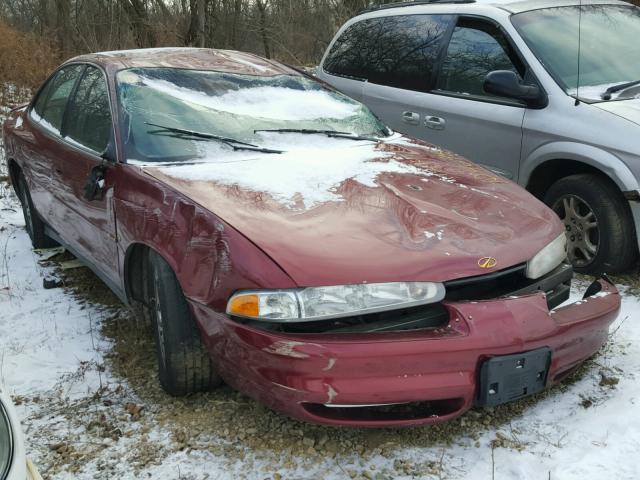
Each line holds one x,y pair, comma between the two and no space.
581,224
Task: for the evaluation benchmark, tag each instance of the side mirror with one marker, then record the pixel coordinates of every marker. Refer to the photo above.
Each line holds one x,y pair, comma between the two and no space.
505,83
95,186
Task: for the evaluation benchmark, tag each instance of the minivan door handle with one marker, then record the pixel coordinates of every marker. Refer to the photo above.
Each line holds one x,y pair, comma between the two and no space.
435,123
411,118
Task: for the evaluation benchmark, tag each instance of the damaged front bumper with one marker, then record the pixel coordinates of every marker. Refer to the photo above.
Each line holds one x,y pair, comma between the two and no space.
416,376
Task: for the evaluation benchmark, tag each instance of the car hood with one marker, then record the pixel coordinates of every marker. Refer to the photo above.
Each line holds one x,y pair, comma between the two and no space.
627,109
400,210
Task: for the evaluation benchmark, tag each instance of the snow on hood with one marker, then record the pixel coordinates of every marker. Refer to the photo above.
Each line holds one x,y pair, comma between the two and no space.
306,174
272,102
355,212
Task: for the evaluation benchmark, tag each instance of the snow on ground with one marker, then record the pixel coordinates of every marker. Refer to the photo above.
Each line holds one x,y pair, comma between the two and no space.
82,373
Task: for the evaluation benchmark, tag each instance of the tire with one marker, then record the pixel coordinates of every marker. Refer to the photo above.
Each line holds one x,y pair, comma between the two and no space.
33,222
600,229
184,365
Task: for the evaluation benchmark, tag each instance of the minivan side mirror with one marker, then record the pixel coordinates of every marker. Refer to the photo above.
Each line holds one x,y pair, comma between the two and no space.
505,83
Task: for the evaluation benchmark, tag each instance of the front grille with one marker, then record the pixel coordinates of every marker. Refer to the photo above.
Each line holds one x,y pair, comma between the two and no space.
512,282
382,413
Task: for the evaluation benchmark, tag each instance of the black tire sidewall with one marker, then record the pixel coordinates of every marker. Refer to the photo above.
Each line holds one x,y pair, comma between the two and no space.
617,247
34,225
183,363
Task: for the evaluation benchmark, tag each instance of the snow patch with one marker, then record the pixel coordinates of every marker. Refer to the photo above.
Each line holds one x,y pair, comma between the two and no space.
309,173
274,103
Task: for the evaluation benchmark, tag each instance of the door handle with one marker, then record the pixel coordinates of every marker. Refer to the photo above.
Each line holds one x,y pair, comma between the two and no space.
435,123
411,118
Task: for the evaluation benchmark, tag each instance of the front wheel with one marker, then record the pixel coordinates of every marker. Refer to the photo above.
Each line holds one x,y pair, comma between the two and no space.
184,364
600,231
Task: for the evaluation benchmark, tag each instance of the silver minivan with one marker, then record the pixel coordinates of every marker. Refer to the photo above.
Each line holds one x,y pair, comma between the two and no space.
546,93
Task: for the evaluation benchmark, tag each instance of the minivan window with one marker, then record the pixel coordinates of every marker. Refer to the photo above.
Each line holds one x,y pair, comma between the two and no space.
476,48
609,55
57,95
88,119
398,51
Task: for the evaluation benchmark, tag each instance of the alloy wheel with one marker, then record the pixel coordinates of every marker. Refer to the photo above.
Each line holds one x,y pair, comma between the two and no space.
581,224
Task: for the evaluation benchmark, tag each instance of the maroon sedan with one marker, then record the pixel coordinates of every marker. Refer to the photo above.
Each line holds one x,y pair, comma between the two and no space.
284,240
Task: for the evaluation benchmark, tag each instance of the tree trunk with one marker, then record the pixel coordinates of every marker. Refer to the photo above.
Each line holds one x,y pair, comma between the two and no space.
201,22
261,4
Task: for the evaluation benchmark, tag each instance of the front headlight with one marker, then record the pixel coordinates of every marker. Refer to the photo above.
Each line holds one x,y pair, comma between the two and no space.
319,303
6,442
548,258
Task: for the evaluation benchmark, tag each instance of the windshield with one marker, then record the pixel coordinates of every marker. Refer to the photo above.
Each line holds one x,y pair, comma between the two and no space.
609,53
160,104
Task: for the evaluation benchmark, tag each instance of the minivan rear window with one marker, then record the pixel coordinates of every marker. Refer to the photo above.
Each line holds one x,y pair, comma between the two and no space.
397,51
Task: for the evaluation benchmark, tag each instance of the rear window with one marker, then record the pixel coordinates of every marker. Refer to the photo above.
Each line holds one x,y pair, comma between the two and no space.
399,51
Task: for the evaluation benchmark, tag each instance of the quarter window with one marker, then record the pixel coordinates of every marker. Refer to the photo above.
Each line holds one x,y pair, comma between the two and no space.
88,120
398,51
476,49
52,101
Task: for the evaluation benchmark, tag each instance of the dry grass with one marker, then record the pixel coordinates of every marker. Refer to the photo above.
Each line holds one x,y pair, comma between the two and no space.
25,61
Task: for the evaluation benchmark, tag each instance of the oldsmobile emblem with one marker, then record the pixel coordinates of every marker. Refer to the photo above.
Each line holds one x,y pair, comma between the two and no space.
487,262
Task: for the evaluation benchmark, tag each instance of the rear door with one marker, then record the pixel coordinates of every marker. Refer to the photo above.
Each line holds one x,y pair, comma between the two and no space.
450,109
89,226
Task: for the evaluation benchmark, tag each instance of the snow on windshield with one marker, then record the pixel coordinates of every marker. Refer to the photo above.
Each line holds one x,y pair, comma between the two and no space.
272,102
312,172
595,92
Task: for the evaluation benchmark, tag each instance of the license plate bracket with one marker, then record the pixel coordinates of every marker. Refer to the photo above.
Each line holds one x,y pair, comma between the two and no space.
507,378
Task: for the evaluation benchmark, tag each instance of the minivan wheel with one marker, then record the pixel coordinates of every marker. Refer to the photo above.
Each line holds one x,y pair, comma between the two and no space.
600,232
183,363
33,223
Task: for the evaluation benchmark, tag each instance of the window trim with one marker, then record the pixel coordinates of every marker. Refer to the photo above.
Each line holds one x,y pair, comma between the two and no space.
65,117
491,100
59,135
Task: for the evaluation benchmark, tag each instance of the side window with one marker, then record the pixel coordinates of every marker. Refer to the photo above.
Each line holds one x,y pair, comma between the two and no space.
398,51
477,48
38,107
88,121
51,109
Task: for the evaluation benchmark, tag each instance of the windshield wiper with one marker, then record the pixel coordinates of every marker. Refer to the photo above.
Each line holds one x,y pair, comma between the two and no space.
607,95
328,133
232,142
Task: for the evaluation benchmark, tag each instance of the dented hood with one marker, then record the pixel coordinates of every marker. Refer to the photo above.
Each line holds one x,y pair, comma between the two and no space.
424,215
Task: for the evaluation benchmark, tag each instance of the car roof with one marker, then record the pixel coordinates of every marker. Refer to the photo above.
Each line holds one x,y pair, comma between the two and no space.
468,6
227,61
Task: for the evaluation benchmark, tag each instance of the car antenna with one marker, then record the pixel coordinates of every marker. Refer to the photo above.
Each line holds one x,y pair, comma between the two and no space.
579,53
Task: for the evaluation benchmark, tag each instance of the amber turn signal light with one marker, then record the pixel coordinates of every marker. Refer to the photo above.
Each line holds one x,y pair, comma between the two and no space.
244,306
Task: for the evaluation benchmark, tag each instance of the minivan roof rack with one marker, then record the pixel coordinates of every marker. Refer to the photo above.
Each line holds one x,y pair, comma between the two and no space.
412,3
